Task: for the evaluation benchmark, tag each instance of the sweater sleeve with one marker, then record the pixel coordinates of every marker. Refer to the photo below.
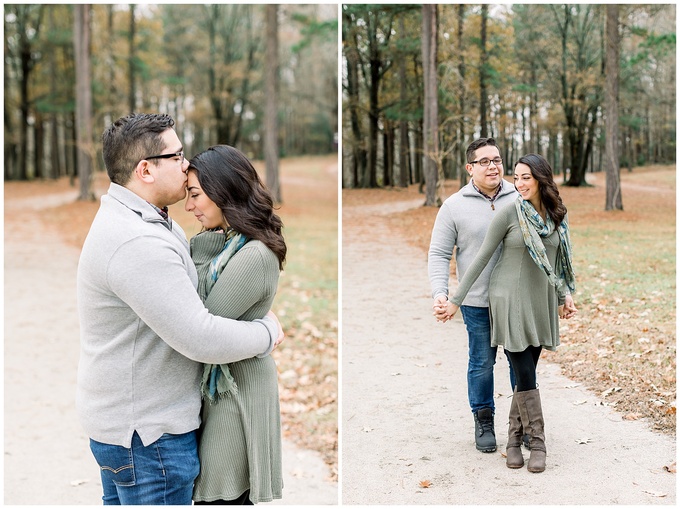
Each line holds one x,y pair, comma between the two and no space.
444,237
151,278
494,236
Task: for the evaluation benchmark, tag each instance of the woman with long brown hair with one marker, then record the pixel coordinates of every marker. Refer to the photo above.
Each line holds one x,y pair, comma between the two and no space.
526,294
238,258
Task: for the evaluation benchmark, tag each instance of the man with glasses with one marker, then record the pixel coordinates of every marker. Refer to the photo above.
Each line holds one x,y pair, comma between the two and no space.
461,223
144,330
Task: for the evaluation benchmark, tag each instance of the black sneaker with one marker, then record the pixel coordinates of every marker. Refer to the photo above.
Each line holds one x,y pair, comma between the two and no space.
485,436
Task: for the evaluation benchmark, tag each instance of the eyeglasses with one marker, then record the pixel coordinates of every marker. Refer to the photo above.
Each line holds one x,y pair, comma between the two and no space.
486,162
179,154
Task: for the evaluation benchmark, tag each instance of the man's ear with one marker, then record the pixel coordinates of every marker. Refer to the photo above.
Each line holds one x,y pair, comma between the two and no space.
468,168
143,173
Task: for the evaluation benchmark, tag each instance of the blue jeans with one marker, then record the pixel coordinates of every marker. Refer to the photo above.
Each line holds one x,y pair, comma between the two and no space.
162,473
481,358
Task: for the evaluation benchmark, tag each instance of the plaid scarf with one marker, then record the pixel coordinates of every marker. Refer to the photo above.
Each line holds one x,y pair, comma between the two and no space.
217,379
533,228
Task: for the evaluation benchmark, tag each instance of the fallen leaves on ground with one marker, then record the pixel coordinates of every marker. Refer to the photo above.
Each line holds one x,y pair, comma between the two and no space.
658,494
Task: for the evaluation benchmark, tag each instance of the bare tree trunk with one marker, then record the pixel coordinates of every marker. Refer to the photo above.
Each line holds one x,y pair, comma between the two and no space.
388,153
417,168
26,67
462,138
85,147
403,123
430,112
359,155
27,64
39,146
54,170
375,63
612,168
131,61
271,146
110,55
630,149
483,99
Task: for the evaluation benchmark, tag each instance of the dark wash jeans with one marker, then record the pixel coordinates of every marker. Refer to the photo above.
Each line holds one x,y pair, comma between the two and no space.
161,473
481,358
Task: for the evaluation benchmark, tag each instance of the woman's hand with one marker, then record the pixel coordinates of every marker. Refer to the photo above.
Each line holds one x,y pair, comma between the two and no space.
443,310
568,309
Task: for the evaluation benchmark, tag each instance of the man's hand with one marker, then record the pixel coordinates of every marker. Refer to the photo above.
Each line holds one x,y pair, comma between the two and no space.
568,309
443,310
280,339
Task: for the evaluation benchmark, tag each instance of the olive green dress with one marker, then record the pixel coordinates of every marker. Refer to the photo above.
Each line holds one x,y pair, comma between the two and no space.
240,435
523,305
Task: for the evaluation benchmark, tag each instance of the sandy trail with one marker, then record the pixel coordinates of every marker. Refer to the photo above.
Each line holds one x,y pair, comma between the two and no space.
47,456
405,416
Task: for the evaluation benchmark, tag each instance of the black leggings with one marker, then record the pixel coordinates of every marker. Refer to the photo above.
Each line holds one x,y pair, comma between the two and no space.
244,499
524,365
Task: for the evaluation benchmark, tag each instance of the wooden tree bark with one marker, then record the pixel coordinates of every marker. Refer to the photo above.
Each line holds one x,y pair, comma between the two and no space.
359,155
38,146
462,135
430,110
577,104
54,170
113,92
81,33
28,31
403,123
132,98
613,199
26,68
388,153
483,99
375,64
271,129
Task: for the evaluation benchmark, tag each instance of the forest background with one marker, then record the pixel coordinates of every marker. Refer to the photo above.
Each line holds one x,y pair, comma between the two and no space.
590,87
531,76
209,67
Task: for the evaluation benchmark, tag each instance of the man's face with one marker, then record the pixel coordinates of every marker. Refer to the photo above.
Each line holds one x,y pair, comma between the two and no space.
170,173
488,177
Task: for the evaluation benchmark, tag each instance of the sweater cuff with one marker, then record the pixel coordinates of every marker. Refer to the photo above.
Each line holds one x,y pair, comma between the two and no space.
273,330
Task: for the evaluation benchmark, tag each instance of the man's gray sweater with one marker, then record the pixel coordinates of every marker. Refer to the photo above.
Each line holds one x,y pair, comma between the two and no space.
462,222
144,331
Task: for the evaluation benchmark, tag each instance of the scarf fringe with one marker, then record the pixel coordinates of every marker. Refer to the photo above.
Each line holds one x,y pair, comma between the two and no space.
217,383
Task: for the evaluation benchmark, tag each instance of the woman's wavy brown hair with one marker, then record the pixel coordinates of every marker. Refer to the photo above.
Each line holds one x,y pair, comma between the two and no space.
547,189
228,178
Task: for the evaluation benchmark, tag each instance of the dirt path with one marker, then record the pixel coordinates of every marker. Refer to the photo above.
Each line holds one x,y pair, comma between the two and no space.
47,457
405,416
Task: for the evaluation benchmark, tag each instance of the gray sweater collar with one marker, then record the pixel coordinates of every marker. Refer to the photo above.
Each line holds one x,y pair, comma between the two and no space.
135,203
506,188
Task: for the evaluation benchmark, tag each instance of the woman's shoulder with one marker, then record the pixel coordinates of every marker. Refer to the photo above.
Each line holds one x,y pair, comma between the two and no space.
257,249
